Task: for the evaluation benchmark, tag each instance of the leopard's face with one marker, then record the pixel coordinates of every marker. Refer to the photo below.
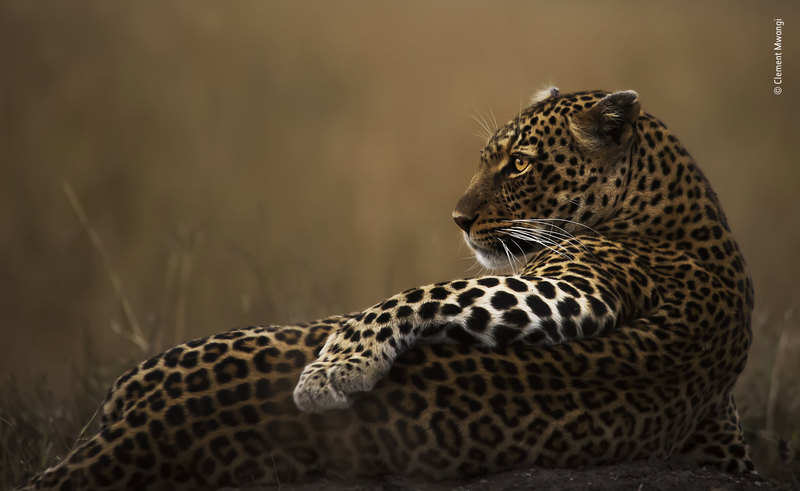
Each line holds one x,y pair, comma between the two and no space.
557,168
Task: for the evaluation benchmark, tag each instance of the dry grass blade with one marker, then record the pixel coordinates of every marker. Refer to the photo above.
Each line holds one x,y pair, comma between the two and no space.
774,381
180,315
135,334
275,470
82,435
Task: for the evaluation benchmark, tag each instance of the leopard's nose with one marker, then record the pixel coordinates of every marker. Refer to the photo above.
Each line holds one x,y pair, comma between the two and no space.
464,222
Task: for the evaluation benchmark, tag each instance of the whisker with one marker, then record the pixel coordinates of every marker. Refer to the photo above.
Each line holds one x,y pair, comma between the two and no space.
566,236
512,259
559,235
545,237
476,266
485,120
509,257
504,247
533,235
537,220
539,238
473,255
483,125
549,244
556,234
494,119
549,222
524,256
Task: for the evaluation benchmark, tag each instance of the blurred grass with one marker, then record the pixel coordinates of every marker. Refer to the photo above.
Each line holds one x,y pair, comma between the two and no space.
268,162
39,425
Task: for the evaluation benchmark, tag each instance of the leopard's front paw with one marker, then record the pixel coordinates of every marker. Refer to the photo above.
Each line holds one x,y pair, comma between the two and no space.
315,393
326,385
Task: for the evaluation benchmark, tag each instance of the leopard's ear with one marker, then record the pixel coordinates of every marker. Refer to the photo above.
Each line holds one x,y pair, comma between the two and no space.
543,94
608,123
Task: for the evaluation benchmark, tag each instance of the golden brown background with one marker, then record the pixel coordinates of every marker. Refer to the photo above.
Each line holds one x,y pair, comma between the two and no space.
247,162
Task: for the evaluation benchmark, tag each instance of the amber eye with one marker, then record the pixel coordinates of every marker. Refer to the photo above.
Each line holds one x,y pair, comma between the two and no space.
520,164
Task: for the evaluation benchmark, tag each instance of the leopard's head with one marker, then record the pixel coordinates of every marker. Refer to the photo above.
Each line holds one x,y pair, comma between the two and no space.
557,169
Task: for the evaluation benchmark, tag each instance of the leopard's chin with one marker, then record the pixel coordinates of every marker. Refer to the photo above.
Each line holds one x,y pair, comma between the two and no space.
497,259
490,260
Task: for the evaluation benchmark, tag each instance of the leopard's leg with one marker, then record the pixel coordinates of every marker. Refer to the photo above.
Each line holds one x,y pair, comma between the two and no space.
488,311
719,441
577,299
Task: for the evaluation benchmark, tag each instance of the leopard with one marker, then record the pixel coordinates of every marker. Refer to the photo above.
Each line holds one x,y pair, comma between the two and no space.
612,326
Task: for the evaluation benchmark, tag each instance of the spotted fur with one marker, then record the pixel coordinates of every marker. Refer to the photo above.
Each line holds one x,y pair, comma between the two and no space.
619,337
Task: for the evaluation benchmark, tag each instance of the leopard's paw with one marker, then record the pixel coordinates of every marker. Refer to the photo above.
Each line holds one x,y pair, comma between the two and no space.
326,385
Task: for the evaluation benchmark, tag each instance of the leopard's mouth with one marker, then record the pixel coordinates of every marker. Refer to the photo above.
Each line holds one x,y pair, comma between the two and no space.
506,253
